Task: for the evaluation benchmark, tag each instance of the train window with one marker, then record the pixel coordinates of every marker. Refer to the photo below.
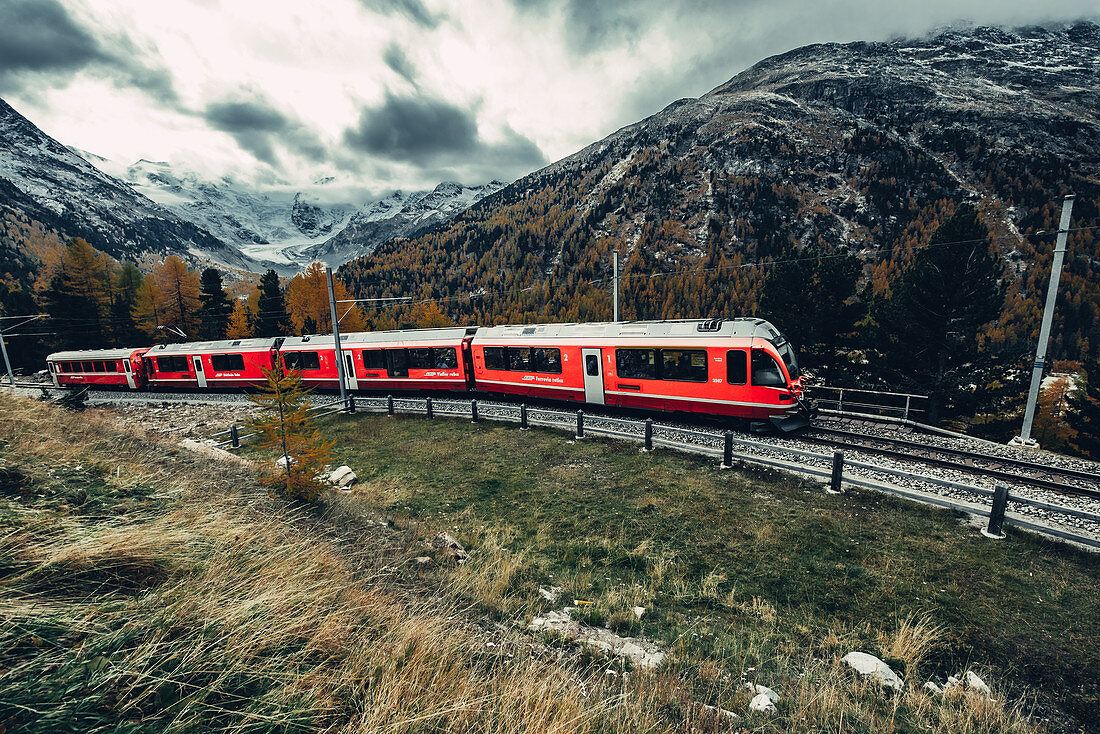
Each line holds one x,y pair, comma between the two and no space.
444,358
398,362
301,361
548,359
519,359
737,367
685,365
87,367
494,358
765,370
172,364
592,365
374,359
99,366
420,359
227,362
636,363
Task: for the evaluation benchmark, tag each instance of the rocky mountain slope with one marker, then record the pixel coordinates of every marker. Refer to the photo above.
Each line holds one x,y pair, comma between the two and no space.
45,182
399,215
867,145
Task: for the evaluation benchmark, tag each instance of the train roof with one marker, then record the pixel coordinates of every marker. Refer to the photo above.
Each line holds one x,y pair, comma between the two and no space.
680,329
92,354
451,334
225,345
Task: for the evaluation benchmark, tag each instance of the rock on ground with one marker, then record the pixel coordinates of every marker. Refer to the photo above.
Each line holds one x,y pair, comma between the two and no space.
639,651
870,666
761,702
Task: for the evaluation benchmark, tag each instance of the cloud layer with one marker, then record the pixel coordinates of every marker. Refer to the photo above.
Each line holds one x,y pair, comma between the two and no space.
387,94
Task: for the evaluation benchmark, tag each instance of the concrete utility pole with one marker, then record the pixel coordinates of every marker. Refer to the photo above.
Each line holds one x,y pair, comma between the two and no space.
1044,332
336,336
7,364
615,278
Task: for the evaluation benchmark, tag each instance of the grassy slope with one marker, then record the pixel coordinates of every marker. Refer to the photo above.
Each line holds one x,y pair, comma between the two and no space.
143,589
730,556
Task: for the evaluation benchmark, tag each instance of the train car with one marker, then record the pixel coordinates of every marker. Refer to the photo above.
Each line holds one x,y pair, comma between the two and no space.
419,359
232,363
742,368
120,368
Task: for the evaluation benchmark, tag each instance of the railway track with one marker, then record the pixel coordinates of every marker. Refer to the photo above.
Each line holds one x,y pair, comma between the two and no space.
1006,469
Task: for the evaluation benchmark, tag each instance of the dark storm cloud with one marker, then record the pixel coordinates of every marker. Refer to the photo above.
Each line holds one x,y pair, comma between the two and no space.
441,139
260,128
414,129
414,10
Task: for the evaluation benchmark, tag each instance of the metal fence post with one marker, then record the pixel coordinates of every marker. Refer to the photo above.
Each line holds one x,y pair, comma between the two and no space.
389,404
907,399
234,437
351,403
838,473
523,416
648,434
997,513
580,424
473,411
727,451
428,407
840,404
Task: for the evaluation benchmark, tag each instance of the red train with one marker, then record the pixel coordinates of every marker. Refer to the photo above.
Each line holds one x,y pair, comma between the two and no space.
742,368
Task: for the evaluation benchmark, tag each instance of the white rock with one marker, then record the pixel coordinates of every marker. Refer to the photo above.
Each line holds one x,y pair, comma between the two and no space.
551,594
758,690
342,477
870,666
953,682
280,463
976,683
721,713
933,687
639,612
762,703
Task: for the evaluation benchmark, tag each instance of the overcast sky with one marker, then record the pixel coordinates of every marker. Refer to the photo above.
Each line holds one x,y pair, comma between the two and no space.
405,93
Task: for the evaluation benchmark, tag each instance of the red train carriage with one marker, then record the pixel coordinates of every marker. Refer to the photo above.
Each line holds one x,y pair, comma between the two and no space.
203,365
102,367
742,368
421,359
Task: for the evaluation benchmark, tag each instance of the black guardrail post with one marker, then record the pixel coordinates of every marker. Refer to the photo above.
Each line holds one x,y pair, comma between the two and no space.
473,411
580,424
648,434
727,451
523,416
389,404
351,403
838,473
428,407
997,513
234,437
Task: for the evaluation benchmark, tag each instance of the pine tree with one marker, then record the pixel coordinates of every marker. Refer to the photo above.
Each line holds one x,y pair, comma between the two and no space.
216,308
928,328
289,429
1084,412
240,321
127,283
77,297
271,316
810,298
179,287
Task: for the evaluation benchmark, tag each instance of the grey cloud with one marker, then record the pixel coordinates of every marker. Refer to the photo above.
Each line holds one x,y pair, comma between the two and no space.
398,61
259,128
414,129
414,10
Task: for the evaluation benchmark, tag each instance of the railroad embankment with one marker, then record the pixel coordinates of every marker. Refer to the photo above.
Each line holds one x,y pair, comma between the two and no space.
484,579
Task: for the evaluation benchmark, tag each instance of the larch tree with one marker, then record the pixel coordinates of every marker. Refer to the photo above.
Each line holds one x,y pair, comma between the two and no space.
180,288
308,304
148,310
127,283
1084,412
216,308
240,321
77,297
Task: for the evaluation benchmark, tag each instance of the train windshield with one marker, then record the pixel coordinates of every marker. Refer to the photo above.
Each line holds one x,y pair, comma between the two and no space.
790,359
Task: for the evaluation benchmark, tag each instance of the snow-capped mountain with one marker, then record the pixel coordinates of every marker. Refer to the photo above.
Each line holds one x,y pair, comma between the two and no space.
42,179
399,215
271,225
297,228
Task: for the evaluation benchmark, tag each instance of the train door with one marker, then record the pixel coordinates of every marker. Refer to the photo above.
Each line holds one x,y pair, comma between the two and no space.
349,371
199,374
593,375
129,374
468,363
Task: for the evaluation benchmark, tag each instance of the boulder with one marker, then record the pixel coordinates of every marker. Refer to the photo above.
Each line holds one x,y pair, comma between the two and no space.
871,667
639,612
975,683
758,690
763,704
933,687
450,547
342,477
